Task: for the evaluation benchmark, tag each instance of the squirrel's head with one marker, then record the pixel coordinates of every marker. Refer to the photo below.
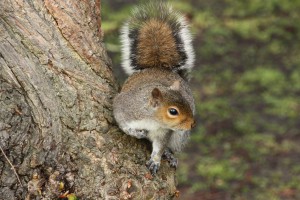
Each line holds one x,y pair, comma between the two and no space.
172,109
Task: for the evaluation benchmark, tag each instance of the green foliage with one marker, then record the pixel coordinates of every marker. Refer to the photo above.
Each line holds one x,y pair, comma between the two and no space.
247,88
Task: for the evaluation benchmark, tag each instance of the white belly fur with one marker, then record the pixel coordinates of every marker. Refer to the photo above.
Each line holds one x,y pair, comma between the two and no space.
154,128
144,124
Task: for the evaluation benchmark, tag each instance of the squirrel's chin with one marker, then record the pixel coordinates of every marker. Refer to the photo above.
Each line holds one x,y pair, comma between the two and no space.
180,129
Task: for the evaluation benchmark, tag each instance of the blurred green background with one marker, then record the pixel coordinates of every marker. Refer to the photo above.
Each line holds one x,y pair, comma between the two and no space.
246,83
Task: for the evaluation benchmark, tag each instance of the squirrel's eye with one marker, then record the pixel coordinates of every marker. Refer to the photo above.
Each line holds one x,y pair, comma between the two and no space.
173,111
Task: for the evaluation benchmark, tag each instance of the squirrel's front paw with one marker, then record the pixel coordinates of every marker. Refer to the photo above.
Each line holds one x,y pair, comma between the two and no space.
169,156
153,166
138,133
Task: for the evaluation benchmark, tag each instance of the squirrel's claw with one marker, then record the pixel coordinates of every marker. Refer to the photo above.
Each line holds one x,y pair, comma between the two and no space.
173,162
169,156
153,166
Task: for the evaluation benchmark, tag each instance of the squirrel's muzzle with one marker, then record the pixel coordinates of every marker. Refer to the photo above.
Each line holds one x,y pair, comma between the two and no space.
189,124
193,124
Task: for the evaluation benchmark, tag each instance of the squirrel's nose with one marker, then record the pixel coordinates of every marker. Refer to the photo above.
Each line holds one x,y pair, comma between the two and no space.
193,124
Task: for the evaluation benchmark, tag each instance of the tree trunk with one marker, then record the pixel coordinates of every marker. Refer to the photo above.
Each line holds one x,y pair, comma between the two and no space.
57,131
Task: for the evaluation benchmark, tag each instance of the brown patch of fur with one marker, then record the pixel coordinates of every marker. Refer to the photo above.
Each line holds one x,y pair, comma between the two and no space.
183,121
156,45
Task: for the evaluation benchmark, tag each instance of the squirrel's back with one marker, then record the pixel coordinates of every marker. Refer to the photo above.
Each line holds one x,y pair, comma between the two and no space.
156,36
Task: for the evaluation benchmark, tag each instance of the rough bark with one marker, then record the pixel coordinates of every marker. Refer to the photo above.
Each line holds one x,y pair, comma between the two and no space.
56,123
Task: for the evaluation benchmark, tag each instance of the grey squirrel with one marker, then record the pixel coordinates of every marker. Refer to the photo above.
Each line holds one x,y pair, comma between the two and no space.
155,101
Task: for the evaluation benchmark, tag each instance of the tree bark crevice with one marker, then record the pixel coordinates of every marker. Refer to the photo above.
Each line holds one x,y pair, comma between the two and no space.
56,123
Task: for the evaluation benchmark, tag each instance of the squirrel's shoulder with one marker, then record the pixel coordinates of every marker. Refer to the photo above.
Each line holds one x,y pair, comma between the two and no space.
153,77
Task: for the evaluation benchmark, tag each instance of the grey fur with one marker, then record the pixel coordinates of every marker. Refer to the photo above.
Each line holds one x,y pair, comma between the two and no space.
134,110
162,11
136,116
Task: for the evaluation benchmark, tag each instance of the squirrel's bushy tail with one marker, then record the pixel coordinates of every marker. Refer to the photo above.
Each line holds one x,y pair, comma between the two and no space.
156,36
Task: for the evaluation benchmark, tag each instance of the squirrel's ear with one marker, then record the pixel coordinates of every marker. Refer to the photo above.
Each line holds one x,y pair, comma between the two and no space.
156,97
175,85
